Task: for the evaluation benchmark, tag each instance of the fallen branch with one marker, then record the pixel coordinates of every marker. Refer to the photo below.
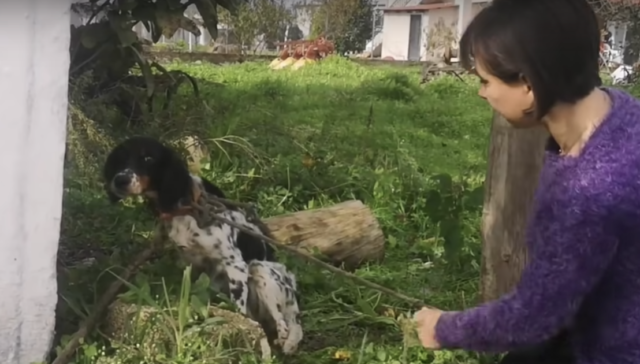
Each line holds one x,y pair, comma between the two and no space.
105,300
209,207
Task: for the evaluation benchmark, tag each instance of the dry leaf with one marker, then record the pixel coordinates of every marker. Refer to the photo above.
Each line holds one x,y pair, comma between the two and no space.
342,355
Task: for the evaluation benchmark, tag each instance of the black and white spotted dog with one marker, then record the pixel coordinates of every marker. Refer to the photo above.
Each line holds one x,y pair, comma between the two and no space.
240,265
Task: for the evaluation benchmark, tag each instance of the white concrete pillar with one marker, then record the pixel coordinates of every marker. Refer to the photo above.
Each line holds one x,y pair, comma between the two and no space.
33,101
465,14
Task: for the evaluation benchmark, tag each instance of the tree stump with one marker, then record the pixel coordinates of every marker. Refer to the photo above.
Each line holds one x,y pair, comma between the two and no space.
346,234
515,161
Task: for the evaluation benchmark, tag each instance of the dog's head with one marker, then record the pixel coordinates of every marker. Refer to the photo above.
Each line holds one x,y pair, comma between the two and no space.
144,166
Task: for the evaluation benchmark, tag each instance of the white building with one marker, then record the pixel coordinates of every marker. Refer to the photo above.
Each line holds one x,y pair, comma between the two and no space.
408,22
614,48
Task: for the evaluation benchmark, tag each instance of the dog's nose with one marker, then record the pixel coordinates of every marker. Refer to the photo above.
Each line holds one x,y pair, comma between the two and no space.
121,181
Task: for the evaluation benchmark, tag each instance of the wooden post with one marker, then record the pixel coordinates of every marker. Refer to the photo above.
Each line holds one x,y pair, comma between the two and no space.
515,160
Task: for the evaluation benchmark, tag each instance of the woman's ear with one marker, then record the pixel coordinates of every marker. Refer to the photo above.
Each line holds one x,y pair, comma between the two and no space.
526,83
528,91
175,186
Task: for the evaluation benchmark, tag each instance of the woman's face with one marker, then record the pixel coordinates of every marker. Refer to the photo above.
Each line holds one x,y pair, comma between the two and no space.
513,101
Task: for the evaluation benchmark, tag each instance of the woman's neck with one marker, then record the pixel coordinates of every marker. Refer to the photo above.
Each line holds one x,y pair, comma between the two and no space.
571,125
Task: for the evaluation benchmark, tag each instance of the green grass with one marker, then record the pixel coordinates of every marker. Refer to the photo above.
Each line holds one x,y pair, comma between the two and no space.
416,155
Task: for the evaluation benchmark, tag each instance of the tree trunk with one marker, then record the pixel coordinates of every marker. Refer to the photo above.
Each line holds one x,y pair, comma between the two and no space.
515,160
346,233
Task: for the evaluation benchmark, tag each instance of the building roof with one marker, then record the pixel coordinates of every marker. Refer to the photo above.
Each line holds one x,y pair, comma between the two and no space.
403,3
418,5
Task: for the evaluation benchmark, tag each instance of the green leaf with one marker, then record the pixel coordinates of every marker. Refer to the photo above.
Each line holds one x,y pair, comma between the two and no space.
169,17
201,284
451,232
146,71
122,25
392,241
127,37
209,13
90,351
365,307
198,306
338,322
169,22
127,5
93,34
200,290
434,205
445,182
189,25
212,321
141,279
88,41
384,320
144,13
474,198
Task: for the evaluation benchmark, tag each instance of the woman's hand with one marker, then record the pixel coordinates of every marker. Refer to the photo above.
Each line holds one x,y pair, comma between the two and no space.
426,320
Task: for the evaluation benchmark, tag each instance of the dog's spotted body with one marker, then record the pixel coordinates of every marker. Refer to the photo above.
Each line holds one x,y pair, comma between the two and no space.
239,265
263,290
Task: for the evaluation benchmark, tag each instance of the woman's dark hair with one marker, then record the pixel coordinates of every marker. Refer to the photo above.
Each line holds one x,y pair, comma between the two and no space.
553,45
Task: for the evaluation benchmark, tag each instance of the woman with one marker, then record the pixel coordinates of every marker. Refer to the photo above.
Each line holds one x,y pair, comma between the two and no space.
537,61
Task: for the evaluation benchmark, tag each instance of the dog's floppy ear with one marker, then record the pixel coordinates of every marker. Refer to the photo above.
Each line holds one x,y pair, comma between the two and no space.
175,185
113,198
109,169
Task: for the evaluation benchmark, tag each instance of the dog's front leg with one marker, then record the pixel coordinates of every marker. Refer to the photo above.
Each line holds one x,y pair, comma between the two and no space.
219,242
292,317
238,279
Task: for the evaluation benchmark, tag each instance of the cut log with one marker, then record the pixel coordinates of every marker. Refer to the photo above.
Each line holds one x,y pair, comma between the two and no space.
346,234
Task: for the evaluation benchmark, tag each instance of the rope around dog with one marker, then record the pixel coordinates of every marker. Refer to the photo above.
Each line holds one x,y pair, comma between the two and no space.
208,209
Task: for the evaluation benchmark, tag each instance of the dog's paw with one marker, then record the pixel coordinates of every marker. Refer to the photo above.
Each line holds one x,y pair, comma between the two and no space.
283,331
289,347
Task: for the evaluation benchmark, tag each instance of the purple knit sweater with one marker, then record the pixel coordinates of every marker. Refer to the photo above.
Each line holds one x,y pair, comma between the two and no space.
584,245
